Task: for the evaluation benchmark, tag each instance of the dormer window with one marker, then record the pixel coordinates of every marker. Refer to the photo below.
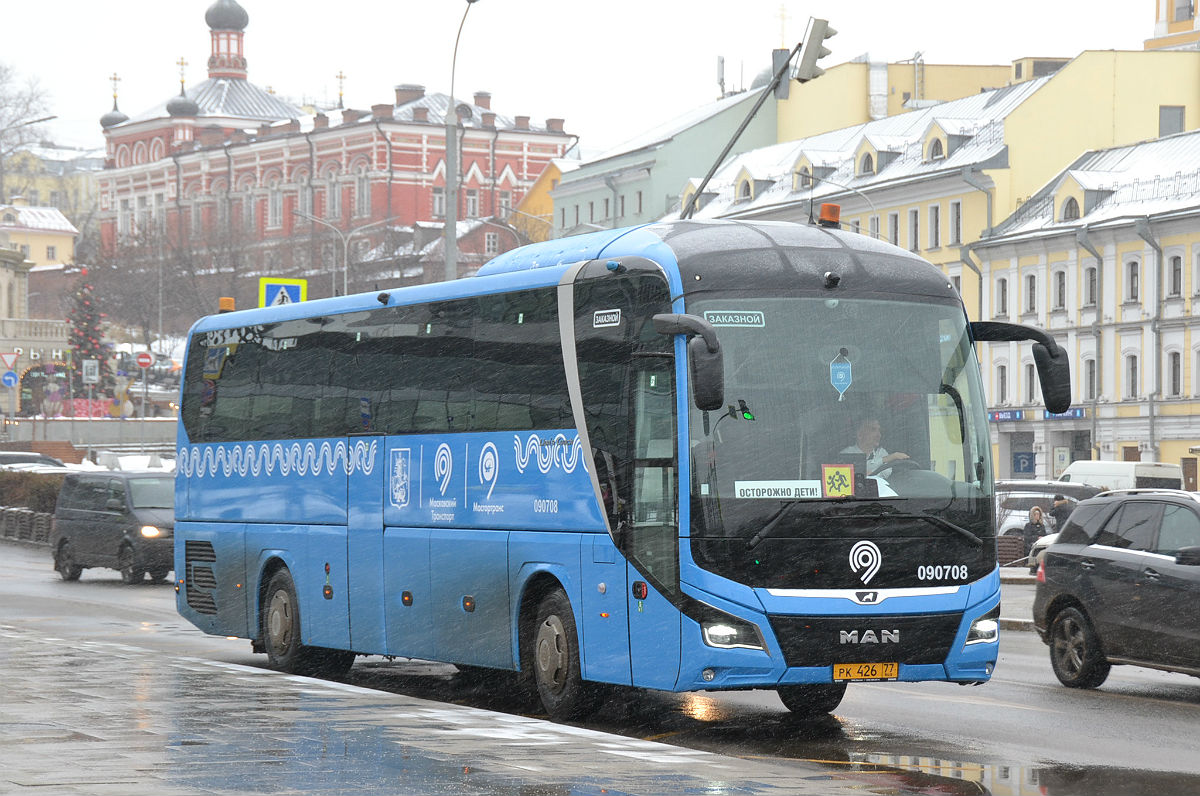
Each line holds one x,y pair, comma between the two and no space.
9,218
804,178
1070,209
867,164
936,150
745,193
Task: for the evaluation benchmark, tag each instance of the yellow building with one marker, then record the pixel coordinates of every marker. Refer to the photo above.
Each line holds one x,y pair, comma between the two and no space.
42,234
45,175
533,216
1176,26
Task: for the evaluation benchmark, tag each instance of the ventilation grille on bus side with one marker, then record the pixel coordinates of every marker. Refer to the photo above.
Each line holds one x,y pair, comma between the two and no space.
200,581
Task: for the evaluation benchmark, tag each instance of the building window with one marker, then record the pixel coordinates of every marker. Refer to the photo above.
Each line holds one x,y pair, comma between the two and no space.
1070,209
621,206
804,178
504,203
1174,374
197,217
955,223
638,202
362,194
894,229
1001,384
274,206
914,227
1002,297
248,211
1031,293
1170,120
1089,379
562,217
472,199
1183,10
591,211
1060,290
936,150
867,164
1031,392
576,215
744,194
439,201
1132,272
51,253
935,226
606,207
1089,287
957,282
1175,280
333,199
304,200
1131,376
491,243
873,226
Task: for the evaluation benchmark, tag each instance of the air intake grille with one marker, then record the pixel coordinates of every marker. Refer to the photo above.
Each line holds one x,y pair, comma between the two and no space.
200,581
825,640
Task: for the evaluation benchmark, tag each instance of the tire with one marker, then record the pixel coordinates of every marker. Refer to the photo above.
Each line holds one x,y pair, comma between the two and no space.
812,700
556,669
64,562
280,628
158,575
1075,651
131,573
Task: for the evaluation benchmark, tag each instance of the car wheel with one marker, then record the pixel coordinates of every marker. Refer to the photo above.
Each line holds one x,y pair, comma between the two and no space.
158,575
813,699
556,668
64,562
131,574
279,620
1075,652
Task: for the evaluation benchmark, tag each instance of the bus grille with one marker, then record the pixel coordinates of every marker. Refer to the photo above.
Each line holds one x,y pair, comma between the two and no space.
825,640
200,581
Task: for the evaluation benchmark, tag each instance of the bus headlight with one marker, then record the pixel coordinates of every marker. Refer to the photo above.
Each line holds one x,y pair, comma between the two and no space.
986,628
151,531
728,632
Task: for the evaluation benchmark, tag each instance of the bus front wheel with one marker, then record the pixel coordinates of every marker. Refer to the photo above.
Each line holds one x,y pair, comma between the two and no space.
813,699
280,628
556,667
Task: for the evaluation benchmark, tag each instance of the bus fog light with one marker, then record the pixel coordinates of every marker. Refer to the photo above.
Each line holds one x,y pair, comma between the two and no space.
986,628
708,675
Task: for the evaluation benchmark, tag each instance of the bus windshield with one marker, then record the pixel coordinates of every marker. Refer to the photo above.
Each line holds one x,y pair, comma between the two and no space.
834,404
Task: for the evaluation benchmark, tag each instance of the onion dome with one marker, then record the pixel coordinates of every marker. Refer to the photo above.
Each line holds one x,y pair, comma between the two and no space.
182,105
113,117
226,15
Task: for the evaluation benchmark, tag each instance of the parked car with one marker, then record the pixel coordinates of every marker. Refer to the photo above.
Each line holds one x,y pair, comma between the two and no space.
28,460
1120,585
1125,475
1014,499
120,519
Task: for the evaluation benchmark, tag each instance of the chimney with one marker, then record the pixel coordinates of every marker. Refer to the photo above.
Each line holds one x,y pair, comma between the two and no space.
239,136
554,125
264,129
211,135
350,116
489,120
522,123
293,126
320,121
381,111
407,92
484,99
420,114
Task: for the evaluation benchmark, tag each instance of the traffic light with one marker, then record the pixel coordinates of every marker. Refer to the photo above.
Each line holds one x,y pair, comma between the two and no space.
814,50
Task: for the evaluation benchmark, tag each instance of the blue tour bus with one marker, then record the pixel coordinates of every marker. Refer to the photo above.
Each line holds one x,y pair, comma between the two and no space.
628,457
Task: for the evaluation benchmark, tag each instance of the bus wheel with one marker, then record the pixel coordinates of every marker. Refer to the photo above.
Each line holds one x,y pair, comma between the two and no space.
556,669
64,562
813,699
279,621
131,573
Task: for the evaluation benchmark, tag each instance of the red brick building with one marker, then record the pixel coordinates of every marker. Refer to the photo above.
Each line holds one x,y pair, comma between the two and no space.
230,176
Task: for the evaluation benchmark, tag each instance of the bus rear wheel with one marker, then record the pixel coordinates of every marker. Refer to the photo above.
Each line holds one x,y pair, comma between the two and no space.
556,662
813,699
279,622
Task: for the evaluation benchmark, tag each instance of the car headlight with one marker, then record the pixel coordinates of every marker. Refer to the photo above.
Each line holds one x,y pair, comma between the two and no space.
986,628
728,632
151,531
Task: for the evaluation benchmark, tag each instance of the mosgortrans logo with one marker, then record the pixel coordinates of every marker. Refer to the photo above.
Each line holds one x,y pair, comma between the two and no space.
754,318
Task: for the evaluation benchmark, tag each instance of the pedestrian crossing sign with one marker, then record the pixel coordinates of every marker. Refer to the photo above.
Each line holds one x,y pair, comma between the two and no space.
274,291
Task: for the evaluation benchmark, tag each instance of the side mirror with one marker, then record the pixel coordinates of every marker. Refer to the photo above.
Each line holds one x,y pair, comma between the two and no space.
1188,557
705,358
1054,369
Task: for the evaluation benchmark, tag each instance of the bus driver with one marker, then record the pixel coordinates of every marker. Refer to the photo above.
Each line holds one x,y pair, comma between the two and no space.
868,435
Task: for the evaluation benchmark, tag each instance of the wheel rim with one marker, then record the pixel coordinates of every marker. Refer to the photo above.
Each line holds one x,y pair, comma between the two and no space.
1070,646
551,653
279,622
65,560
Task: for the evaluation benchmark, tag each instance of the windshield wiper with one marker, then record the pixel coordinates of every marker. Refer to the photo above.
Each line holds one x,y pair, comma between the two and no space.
772,521
889,512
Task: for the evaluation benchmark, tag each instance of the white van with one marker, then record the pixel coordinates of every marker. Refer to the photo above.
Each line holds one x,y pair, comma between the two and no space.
1125,475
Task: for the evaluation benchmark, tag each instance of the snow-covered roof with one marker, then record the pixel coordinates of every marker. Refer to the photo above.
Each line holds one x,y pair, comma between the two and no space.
228,98
43,219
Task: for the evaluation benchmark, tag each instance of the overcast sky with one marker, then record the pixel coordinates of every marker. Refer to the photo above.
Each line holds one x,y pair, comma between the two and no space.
610,68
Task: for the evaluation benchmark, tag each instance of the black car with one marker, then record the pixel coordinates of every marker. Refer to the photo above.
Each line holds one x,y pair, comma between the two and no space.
1121,585
124,520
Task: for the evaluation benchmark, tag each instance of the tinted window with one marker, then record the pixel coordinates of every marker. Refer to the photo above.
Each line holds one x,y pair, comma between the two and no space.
1083,524
152,493
1132,527
1180,528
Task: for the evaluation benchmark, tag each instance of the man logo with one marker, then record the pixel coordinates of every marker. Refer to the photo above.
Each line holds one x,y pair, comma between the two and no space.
866,597
865,559
869,637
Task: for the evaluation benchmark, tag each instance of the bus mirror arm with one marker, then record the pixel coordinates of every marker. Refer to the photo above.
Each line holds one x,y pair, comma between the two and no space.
705,357
1054,368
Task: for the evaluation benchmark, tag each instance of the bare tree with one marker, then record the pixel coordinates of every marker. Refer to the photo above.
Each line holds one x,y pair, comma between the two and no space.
23,107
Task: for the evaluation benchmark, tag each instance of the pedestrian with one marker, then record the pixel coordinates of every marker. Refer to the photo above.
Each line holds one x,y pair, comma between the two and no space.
1059,512
1034,529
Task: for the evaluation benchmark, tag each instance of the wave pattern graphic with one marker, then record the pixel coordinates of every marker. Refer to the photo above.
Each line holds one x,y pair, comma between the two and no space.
561,452
269,458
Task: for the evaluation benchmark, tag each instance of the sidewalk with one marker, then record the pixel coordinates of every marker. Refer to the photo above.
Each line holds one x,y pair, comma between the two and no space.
1017,587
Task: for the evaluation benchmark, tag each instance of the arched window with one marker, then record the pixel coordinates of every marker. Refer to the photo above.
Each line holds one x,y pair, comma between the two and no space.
1031,293
1131,376
1070,209
804,178
1060,290
1089,379
1174,374
1001,297
1001,384
1175,277
867,164
744,193
936,150
1090,286
1132,272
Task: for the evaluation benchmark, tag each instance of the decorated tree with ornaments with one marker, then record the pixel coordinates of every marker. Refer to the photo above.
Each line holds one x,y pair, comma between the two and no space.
86,340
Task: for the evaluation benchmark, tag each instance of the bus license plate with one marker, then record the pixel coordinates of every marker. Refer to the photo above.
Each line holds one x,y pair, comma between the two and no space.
866,671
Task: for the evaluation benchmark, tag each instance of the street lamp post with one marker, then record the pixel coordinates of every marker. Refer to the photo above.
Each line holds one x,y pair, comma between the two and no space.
345,237
451,232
